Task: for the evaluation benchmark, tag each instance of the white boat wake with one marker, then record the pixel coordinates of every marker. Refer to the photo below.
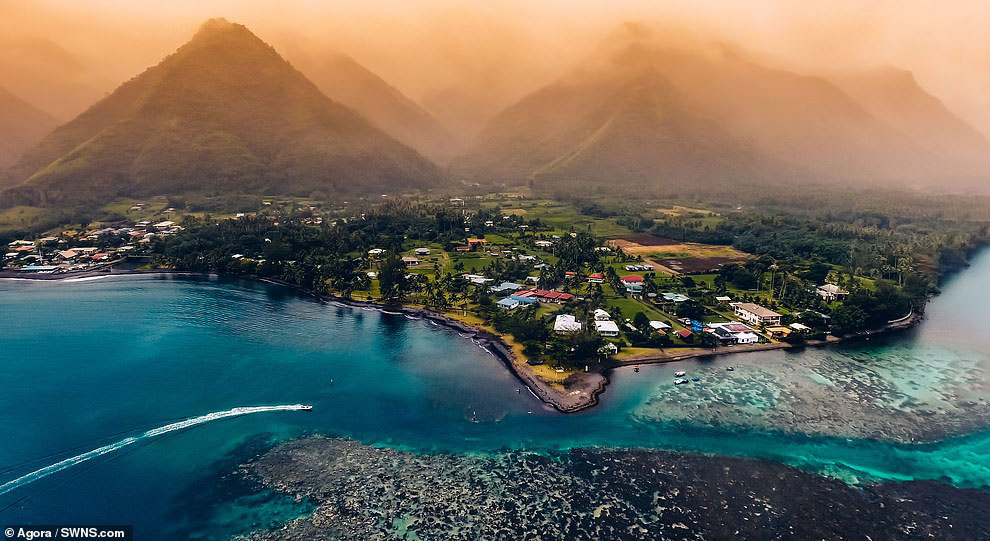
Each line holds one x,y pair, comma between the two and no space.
69,462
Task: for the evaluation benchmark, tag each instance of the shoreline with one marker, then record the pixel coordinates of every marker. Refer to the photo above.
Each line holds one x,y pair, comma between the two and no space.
581,395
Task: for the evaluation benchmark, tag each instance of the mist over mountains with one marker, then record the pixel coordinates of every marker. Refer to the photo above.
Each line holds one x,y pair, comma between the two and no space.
224,113
646,112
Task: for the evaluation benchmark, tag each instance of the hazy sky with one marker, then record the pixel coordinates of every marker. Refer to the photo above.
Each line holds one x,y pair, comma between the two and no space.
63,54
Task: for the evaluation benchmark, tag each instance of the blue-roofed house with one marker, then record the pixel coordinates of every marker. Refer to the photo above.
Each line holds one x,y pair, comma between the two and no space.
508,303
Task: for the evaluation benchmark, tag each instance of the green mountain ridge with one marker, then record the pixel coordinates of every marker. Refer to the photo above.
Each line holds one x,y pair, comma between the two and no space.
345,80
224,113
655,115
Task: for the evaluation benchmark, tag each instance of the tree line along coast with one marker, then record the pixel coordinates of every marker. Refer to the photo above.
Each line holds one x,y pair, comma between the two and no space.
570,286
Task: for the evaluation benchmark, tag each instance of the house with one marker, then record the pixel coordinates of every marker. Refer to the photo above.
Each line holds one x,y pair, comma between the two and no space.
832,292
606,328
543,244
723,299
596,278
507,286
489,223
422,251
477,279
602,315
747,338
524,300
508,303
676,298
376,252
684,334
474,243
659,325
411,260
68,254
778,332
608,349
463,248
161,226
800,327
566,323
632,279
756,314
733,332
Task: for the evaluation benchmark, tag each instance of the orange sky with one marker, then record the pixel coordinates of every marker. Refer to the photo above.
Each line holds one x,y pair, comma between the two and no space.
64,54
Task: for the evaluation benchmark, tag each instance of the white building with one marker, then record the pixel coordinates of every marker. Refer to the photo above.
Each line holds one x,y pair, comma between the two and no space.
832,292
422,251
606,328
566,323
756,314
375,252
602,315
659,325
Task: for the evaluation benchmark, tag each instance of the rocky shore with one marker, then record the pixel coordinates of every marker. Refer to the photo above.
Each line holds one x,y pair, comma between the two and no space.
580,391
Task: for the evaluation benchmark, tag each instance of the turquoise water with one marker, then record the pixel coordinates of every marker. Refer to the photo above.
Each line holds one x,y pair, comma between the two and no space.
87,363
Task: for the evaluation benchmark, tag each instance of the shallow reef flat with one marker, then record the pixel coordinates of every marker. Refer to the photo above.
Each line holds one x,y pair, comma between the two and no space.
364,492
891,392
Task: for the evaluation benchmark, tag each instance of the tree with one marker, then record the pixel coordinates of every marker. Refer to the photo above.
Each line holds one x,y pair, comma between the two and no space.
641,320
849,318
392,277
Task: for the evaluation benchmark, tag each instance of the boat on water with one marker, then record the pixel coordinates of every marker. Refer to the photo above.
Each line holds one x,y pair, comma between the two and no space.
306,408
635,369
679,373
680,381
729,368
695,379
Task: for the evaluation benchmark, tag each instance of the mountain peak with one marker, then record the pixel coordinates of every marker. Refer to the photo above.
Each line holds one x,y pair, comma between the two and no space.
224,113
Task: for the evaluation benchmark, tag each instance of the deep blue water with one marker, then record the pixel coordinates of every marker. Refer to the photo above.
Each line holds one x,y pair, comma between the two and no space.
87,363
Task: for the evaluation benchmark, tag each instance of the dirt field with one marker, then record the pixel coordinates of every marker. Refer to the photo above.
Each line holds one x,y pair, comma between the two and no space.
676,257
698,264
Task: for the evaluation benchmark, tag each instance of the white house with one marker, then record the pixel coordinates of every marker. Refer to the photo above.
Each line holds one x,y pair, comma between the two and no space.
659,325
602,315
832,292
422,251
543,244
747,338
756,314
606,328
375,252
566,323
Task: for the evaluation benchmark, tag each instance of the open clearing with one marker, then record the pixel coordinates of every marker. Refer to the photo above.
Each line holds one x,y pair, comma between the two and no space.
680,257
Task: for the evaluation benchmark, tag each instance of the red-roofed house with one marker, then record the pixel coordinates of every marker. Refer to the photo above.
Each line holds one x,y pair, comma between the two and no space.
596,278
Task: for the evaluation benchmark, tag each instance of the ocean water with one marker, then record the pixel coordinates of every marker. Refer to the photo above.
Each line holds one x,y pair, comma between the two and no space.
87,364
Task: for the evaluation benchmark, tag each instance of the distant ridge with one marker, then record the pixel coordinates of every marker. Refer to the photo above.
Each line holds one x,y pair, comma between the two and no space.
343,79
224,113
652,115
22,126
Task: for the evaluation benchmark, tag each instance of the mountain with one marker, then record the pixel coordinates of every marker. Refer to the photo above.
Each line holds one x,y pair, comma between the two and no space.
894,96
344,80
630,129
22,125
653,114
224,113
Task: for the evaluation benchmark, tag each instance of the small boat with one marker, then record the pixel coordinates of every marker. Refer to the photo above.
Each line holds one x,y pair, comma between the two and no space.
635,369
679,374
680,381
306,408
695,379
729,368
